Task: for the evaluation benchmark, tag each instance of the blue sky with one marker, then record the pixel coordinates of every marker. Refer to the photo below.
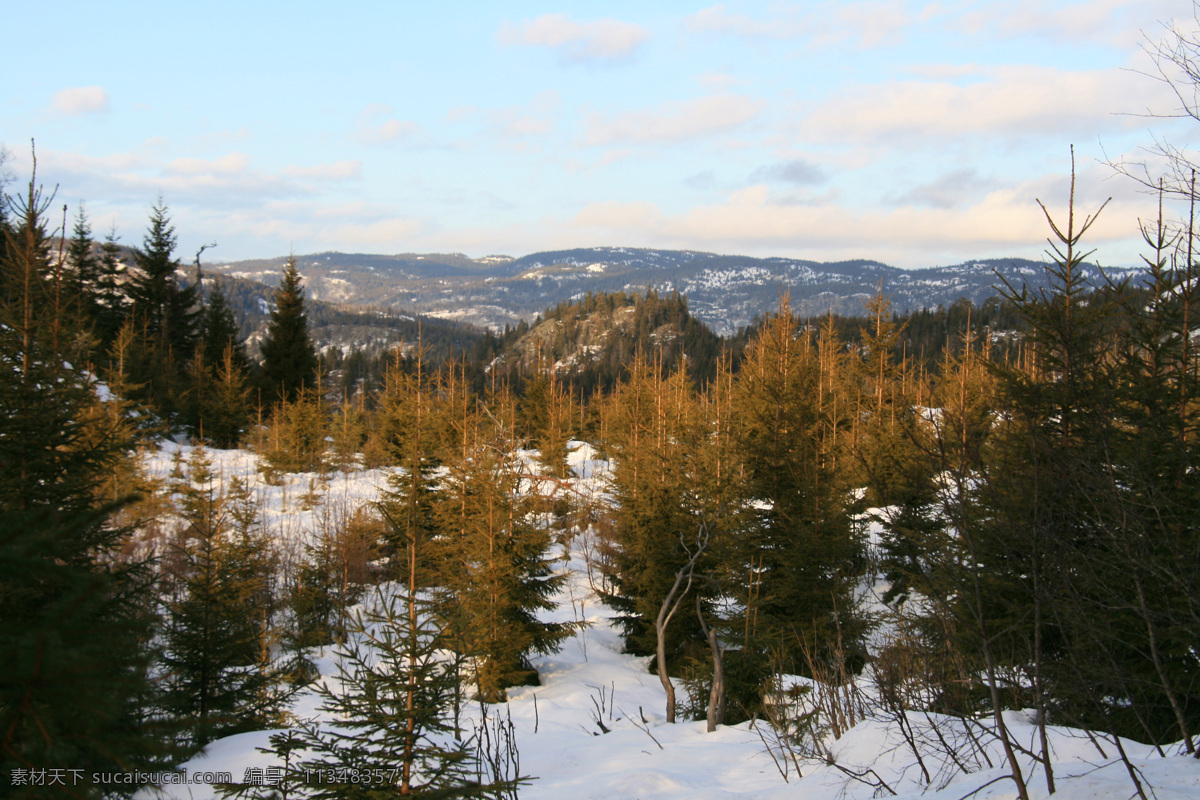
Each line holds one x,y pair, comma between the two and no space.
913,133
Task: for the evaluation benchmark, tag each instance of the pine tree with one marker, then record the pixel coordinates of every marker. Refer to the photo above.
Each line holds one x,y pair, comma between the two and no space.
501,574
217,680
289,358
164,314
167,310
219,328
72,621
649,433
299,434
110,298
85,270
216,406
406,412
803,546
392,706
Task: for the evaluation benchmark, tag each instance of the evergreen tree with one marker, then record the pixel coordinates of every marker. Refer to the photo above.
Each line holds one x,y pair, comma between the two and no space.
803,547
110,298
216,406
217,677
407,410
299,435
289,358
649,432
72,614
164,315
548,412
85,270
219,328
166,310
392,706
501,575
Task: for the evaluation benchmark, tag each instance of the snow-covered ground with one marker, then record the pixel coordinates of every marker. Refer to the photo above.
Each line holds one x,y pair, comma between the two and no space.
562,746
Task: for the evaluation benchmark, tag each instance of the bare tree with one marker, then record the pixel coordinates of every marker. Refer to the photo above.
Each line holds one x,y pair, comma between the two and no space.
670,604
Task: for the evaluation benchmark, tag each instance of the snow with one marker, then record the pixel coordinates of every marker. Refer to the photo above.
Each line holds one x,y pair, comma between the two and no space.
590,681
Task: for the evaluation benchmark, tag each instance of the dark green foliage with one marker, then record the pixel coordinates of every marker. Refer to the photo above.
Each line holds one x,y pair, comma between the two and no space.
73,619
392,704
81,283
165,310
163,320
500,573
216,407
110,300
217,403
335,571
289,359
406,413
219,674
219,328
802,550
650,439
298,435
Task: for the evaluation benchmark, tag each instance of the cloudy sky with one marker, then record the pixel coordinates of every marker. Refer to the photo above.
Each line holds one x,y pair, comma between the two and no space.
914,133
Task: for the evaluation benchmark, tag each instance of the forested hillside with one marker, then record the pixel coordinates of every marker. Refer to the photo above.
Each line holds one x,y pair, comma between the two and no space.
1016,482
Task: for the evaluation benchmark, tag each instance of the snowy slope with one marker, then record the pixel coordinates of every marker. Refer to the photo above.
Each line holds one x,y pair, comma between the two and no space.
562,746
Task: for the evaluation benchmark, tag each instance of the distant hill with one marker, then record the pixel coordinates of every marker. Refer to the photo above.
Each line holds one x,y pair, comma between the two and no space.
725,292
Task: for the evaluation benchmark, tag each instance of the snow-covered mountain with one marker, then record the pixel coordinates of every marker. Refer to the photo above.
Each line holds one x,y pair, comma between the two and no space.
724,291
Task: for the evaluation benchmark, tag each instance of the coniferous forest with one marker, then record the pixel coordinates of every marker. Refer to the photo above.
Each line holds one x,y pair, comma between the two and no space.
1016,480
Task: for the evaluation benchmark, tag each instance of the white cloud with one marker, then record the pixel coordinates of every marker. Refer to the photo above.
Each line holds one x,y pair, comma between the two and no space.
138,177
232,164
377,126
1110,22
390,130
715,19
798,171
1003,222
869,22
675,121
1011,102
953,189
717,80
335,171
521,122
873,22
80,100
598,40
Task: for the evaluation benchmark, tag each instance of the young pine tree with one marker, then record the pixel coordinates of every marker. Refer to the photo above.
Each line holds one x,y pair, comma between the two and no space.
289,359
217,680
501,574
72,613
802,548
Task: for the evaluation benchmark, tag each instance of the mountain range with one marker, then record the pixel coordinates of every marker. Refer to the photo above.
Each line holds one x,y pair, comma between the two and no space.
725,292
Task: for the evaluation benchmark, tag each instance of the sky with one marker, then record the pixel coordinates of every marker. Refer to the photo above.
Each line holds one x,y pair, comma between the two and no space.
912,133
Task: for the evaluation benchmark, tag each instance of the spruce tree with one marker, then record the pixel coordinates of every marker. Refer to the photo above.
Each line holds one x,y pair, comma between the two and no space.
218,682
164,314
406,410
85,270
649,432
72,613
299,435
501,574
289,358
167,310
394,735
803,545
110,298
219,328
216,406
